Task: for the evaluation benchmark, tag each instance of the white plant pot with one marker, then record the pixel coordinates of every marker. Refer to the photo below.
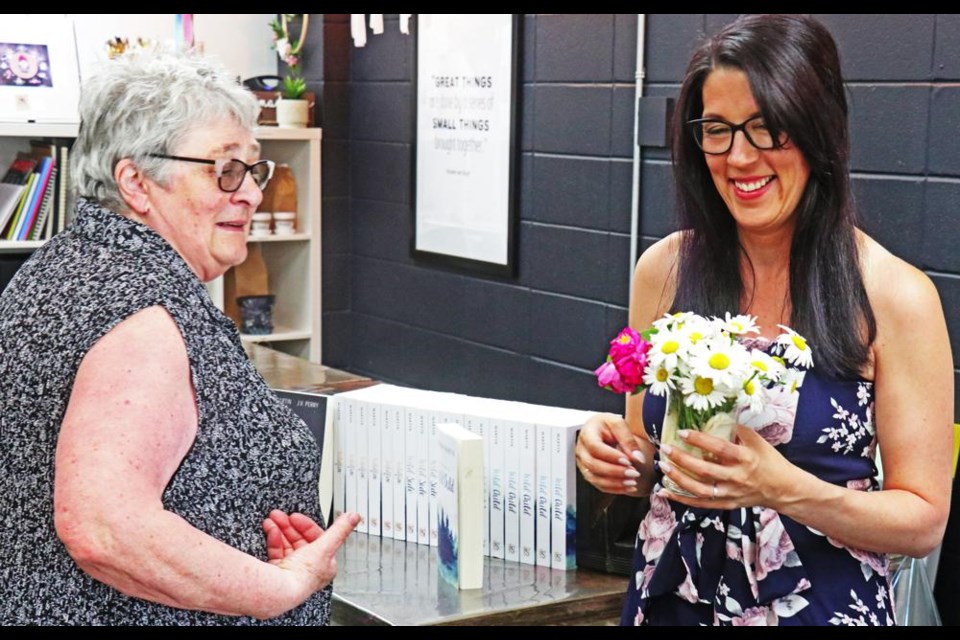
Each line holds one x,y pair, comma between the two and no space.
292,113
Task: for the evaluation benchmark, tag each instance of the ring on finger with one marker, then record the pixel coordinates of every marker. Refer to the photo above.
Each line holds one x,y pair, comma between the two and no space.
716,493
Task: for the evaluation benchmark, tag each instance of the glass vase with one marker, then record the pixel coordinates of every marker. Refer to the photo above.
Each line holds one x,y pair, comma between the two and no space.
720,423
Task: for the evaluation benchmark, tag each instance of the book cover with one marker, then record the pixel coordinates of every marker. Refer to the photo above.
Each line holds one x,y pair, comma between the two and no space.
460,506
10,195
312,409
443,412
564,425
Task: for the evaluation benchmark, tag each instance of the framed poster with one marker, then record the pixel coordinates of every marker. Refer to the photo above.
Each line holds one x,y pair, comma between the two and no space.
466,141
39,76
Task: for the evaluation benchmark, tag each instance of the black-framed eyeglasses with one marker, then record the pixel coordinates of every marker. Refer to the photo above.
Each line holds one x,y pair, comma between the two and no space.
715,135
231,172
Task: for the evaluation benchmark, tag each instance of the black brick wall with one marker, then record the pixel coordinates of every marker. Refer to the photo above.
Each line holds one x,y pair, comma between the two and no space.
537,337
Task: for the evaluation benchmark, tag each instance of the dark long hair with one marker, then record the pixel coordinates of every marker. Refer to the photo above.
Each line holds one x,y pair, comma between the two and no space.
794,73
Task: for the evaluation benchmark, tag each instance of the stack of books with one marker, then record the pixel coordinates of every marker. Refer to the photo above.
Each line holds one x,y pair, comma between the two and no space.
388,467
34,193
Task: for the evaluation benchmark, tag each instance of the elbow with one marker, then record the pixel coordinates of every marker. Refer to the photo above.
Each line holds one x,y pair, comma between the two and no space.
80,537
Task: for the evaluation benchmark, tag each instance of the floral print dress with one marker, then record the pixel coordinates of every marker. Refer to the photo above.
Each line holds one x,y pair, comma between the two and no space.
753,566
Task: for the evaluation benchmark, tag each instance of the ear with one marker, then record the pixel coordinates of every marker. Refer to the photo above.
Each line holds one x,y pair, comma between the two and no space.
131,186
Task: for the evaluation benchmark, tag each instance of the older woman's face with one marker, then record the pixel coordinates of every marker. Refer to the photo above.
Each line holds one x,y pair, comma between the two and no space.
761,188
206,225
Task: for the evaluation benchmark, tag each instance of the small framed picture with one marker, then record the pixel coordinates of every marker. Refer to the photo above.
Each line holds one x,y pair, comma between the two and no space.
39,75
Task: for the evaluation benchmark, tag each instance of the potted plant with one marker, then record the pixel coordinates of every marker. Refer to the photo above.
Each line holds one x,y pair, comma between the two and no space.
292,107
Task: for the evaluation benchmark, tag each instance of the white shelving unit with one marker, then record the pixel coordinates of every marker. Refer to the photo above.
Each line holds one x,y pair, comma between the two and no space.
293,261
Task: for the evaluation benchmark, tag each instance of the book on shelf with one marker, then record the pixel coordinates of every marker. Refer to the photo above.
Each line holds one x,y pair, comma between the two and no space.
460,470
313,409
10,195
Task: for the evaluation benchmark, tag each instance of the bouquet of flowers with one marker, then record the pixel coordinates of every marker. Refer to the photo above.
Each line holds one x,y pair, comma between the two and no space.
708,372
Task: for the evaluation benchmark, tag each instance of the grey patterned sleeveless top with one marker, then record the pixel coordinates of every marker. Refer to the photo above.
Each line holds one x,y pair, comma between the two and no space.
251,453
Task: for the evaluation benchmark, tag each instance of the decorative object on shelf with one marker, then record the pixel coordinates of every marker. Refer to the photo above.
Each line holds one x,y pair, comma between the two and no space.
284,223
39,73
249,278
256,314
260,224
281,193
292,106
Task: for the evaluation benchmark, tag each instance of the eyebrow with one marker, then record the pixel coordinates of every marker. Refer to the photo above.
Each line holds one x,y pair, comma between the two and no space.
233,147
715,116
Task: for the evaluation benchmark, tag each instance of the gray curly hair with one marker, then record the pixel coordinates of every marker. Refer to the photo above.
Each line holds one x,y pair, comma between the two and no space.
145,103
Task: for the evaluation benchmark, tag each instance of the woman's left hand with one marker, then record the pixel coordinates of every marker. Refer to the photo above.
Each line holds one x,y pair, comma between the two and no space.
287,533
745,473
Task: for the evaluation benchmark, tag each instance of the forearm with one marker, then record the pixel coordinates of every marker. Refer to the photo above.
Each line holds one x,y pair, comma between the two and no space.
156,555
889,521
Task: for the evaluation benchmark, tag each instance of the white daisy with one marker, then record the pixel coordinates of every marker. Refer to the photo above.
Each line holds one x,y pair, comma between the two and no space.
740,324
792,379
667,349
659,381
768,368
700,393
695,328
797,349
752,396
726,363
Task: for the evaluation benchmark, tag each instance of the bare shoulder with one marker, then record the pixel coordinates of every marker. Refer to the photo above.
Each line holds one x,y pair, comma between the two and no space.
145,346
654,280
901,295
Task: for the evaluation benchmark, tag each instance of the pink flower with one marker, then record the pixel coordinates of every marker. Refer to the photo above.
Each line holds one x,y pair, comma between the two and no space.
775,421
609,378
657,526
756,617
628,356
773,544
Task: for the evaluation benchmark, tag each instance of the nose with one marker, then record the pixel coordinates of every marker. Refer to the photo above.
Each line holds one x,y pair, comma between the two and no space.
742,153
249,191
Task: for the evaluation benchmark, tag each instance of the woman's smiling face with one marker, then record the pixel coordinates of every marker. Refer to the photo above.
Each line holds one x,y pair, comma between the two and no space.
760,187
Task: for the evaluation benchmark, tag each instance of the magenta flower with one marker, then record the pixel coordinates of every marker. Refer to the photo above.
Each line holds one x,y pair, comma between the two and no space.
626,361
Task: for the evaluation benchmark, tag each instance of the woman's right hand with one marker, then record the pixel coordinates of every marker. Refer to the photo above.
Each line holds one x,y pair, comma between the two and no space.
298,544
611,457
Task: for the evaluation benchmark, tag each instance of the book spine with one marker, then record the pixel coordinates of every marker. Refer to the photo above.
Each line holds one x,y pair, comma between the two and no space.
400,473
511,464
543,495
563,527
411,475
350,455
433,453
497,488
362,427
421,420
387,472
481,427
470,510
528,491
339,456
374,470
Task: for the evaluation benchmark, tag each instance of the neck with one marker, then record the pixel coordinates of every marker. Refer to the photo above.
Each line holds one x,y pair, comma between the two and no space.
765,272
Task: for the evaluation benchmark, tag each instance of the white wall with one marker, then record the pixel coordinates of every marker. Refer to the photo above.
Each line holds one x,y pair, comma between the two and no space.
241,41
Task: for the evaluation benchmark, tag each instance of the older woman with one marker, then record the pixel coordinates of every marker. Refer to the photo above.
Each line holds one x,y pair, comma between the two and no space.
788,524
149,474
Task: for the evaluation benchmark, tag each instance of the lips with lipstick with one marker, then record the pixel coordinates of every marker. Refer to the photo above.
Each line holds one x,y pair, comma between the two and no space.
752,187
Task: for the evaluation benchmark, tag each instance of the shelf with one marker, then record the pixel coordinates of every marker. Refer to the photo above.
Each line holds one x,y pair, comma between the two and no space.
280,335
292,237
38,130
17,246
283,133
